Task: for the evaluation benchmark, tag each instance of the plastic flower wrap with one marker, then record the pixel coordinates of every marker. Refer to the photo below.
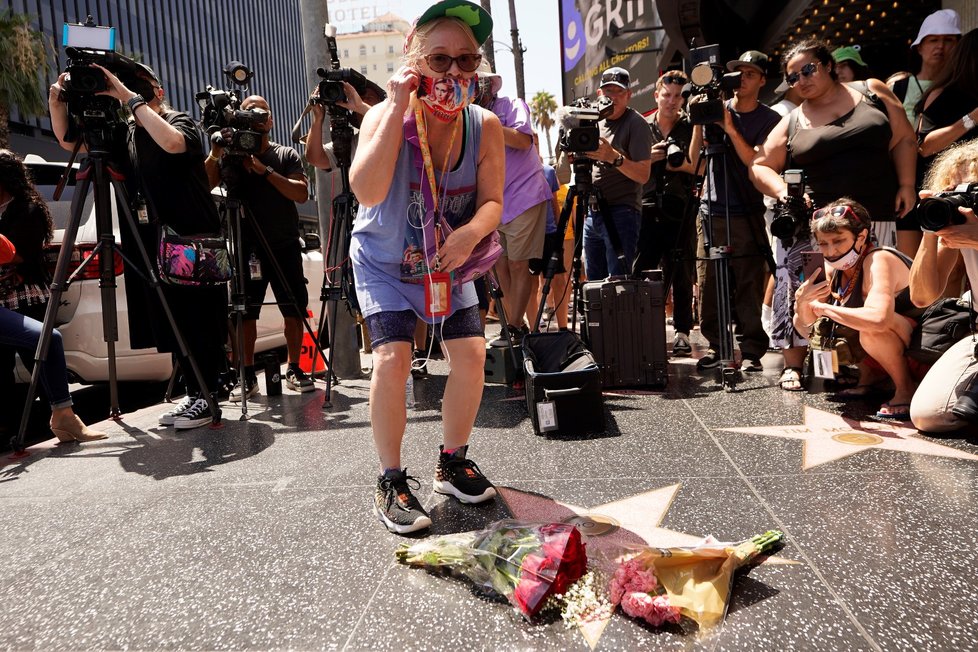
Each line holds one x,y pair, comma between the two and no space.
659,584
525,563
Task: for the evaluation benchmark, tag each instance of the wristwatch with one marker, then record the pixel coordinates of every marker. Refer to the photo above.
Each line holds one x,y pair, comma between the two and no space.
968,123
618,161
268,171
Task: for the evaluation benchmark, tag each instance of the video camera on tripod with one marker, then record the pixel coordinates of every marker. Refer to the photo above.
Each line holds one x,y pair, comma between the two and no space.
709,85
97,116
578,122
221,110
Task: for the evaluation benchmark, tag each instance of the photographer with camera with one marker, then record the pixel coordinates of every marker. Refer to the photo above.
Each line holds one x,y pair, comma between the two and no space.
744,125
623,166
666,236
947,398
321,156
165,151
268,183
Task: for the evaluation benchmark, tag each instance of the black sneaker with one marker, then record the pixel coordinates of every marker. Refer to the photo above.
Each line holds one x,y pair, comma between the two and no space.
516,333
459,477
681,346
298,381
419,364
395,505
710,360
251,389
751,364
198,414
168,417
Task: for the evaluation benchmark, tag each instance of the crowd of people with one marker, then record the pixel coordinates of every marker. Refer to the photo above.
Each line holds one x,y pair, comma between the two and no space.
829,266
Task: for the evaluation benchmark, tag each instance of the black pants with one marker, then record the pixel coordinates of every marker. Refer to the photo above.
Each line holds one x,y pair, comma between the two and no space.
670,244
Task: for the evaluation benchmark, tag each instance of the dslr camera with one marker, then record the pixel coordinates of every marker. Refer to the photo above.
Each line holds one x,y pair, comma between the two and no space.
709,85
579,131
675,152
791,216
221,111
941,210
86,44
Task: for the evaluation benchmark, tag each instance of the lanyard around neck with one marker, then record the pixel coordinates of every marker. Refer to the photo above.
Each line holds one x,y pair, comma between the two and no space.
429,167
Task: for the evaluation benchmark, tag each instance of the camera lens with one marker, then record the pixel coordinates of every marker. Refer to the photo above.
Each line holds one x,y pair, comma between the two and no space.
936,213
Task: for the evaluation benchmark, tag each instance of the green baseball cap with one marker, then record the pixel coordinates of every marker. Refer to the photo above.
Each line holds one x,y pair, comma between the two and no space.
848,54
469,13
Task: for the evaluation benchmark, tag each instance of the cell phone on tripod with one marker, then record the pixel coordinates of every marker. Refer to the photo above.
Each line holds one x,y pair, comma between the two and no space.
811,262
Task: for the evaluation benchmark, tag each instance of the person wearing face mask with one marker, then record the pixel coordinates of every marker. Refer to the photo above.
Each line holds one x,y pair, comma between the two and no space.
426,160
526,196
865,288
269,183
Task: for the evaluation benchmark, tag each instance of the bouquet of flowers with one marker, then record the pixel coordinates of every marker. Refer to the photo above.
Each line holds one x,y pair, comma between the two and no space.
525,563
660,584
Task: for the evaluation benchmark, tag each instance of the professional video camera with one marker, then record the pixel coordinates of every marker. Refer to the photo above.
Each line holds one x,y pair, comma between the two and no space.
941,210
578,122
221,110
87,44
791,216
708,86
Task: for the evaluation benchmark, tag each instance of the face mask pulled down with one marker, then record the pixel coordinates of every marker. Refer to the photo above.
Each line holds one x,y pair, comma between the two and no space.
846,260
447,96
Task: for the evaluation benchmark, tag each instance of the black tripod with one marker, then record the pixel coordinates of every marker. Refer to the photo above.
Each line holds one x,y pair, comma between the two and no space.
586,194
97,171
338,285
234,213
719,255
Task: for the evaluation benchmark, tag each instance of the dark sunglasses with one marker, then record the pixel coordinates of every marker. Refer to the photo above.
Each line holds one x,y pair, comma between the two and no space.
806,71
674,79
835,211
442,62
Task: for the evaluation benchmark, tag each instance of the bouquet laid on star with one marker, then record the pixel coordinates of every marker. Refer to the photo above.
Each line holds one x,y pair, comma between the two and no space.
659,585
525,563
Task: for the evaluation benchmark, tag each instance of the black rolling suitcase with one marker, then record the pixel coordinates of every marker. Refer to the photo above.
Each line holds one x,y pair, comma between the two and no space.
625,328
563,385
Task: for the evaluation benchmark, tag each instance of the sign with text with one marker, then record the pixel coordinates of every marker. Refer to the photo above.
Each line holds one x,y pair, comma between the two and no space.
600,34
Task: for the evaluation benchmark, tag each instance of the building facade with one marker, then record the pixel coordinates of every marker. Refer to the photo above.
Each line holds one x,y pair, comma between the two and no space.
376,50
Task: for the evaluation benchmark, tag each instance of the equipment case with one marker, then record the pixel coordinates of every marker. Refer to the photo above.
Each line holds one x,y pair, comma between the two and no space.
625,328
563,385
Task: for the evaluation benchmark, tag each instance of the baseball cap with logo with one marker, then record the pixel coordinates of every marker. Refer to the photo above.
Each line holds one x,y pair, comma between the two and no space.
943,21
469,13
752,59
615,77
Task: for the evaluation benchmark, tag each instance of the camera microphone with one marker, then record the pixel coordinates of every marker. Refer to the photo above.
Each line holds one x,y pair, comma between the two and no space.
329,31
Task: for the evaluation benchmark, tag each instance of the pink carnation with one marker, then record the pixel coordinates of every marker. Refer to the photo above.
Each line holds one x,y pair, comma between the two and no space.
637,604
631,577
661,612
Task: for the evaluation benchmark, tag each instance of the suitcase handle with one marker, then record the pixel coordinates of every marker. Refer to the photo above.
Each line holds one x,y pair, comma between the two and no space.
550,393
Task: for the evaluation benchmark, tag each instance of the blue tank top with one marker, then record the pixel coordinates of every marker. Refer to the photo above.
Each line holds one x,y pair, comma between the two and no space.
389,240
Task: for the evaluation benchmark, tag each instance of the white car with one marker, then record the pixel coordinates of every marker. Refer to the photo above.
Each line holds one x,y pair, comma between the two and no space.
80,314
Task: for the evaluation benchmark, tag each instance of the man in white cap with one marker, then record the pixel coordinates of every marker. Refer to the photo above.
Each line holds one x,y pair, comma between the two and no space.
525,198
935,42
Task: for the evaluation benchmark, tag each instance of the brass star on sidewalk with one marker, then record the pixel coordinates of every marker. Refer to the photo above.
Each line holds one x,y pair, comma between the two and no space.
828,437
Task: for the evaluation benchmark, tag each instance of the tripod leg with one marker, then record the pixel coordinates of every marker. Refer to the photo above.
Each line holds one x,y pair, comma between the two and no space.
50,314
492,285
239,298
106,282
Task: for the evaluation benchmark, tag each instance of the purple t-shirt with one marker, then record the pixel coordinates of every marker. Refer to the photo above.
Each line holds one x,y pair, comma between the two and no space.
525,185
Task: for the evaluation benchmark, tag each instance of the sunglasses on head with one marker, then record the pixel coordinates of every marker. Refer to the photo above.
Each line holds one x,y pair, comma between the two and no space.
674,79
442,62
806,71
835,211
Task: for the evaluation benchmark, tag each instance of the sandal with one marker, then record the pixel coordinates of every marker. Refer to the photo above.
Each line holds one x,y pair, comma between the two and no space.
790,380
897,411
858,391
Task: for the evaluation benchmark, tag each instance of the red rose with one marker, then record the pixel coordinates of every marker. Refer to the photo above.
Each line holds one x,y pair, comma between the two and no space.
534,585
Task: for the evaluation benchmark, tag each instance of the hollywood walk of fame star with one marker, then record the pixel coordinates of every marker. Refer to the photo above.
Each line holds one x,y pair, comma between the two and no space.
609,529
828,437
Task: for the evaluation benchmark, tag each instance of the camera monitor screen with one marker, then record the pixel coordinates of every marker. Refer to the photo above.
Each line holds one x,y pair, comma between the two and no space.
88,38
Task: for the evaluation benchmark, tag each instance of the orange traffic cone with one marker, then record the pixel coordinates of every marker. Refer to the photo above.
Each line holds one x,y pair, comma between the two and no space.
309,359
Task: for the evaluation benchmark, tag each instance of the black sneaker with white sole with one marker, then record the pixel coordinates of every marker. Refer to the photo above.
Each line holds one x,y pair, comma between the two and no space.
462,478
168,417
298,381
198,414
710,360
396,507
251,390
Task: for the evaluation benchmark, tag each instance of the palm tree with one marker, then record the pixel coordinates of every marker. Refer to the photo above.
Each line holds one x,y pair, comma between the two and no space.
23,56
542,109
